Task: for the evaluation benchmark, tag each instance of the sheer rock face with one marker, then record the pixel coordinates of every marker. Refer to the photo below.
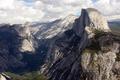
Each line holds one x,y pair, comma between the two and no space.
66,59
98,21
27,46
28,43
66,47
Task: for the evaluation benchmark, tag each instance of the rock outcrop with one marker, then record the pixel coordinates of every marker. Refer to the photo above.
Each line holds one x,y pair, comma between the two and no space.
100,63
85,52
29,43
4,77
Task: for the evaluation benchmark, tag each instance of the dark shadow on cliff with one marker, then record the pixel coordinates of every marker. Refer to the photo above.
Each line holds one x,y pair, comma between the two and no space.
9,48
66,51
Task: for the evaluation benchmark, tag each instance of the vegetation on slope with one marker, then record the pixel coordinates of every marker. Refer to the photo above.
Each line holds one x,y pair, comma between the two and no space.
27,76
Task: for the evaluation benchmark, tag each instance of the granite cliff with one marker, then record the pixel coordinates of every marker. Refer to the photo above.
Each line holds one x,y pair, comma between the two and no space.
88,51
73,48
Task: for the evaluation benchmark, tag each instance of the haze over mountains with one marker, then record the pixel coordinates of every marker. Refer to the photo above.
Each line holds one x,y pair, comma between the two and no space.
113,18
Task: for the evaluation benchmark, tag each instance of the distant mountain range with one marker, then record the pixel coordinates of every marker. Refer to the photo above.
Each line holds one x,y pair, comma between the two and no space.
115,26
113,18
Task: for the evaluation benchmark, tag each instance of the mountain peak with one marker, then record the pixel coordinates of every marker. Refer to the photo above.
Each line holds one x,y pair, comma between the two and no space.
98,20
70,18
65,58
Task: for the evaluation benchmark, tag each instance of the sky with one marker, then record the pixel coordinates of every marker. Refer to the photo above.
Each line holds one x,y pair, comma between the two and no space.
21,11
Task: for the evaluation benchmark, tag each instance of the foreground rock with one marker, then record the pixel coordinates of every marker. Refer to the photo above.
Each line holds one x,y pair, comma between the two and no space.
4,77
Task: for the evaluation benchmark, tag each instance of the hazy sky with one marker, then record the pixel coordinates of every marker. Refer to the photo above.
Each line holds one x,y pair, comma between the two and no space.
19,11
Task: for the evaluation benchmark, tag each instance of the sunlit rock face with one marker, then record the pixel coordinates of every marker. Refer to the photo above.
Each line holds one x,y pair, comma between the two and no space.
28,39
4,77
100,63
27,46
48,30
80,53
98,21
